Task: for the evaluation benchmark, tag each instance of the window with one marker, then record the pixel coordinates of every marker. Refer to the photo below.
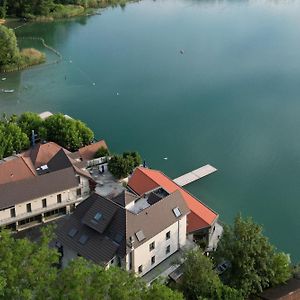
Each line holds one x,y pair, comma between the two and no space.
140,235
58,198
72,232
44,202
152,260
151,246
140,269
28,206
98,216
168,235
78,192
12,212
83,239
78,178
168,249
177,212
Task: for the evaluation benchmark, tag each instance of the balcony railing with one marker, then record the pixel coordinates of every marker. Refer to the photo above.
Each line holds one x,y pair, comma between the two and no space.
41,210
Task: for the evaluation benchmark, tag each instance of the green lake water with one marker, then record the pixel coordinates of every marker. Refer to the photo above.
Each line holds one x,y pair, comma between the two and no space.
231,100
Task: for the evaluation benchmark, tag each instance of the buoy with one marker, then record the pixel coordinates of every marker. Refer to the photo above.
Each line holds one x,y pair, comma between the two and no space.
118,94
94,83
181,51
70,61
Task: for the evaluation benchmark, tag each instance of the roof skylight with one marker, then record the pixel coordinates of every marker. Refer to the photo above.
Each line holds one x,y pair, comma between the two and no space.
83,239
176,212
72,232
97,216
140,235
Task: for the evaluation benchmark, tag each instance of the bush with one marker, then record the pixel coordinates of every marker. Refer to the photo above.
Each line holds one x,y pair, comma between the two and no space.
123,165
101,152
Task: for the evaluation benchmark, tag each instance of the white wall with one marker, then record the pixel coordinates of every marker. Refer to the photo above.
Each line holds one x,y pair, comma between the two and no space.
51,200
142,254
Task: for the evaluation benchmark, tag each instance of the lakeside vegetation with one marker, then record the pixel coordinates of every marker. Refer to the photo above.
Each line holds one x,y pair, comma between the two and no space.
15,132
31,270
47,10
11,58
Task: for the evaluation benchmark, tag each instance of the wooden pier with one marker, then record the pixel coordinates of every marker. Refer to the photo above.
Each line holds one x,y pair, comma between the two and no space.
194,175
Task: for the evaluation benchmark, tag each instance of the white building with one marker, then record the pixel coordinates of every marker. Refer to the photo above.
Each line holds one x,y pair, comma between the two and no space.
137,233
41,184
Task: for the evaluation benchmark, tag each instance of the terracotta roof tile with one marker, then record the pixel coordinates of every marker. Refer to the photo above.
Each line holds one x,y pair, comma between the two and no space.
144,179
88,152
16,169
41,154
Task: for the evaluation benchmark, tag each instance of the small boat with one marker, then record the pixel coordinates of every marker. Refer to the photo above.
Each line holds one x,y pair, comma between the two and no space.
181,51
8,91
3,78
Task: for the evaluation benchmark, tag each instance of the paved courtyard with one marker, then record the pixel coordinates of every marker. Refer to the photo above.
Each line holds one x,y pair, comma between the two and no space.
107,185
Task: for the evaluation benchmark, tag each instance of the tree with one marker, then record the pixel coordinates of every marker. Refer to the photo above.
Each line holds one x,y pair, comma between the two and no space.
84,280
27,268
11,139
9,51
200,281
28,271
43,7
3,8
255,263
101,152
137,160
121,167
68,133
29,121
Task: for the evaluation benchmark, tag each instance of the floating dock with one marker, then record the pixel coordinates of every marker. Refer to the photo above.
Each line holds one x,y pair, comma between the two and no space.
194,175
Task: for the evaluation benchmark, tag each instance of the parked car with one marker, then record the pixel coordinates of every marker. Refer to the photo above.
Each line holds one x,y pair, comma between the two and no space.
221,268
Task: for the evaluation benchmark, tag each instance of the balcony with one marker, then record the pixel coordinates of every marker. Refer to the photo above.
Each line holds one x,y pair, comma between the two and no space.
41,210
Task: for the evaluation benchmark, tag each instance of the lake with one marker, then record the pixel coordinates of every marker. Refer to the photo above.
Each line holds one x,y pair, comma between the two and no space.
232,99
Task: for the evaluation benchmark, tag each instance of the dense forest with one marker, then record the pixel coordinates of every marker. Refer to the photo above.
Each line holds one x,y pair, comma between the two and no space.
28,8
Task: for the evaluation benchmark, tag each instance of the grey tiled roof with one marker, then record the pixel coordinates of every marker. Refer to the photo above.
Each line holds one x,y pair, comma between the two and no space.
36,187
111,237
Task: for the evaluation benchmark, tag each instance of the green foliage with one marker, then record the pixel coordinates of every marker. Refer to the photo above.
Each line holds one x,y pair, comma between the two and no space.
9,51
27,271
200,281
3,9
27,268
29,121
137,160
122,165
84,280
255,263
15,132
101,152
11,138
68,133
57,8
11,58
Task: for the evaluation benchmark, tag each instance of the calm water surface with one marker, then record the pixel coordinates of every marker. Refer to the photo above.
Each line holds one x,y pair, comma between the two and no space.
231,100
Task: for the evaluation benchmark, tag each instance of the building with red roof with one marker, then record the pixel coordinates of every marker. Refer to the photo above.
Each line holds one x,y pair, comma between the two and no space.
200,219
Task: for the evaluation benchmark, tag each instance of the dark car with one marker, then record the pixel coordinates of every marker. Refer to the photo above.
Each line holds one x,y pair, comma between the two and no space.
221,268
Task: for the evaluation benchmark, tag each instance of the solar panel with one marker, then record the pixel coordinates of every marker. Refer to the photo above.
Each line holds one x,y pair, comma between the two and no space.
83,239
72,232
140,235
176,212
